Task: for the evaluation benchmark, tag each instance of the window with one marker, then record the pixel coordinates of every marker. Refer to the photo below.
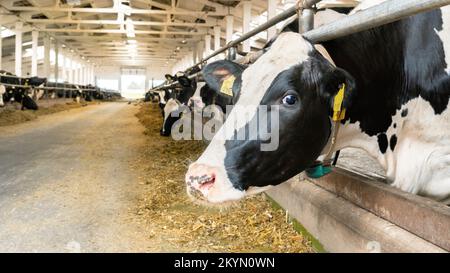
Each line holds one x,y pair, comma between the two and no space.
6,32
155,83
108,84
133,86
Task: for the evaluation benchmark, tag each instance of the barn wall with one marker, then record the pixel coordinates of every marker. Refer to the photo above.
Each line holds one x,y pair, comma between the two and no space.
113,72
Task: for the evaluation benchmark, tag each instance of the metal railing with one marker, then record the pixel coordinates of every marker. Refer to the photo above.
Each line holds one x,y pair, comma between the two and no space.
60,90
384,13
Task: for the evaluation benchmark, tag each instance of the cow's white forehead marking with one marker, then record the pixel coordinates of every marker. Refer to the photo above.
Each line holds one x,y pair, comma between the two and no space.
170,107
288,50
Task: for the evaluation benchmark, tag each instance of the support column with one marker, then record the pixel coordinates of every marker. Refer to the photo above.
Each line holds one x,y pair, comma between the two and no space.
200,48
56,61
217,34
79,74
69,68
64,64
207,45
1,53
76,76
47,46
194,54
34,54
120,83
247,12
18,56
229,31
147,85
91,76
83,77
271,12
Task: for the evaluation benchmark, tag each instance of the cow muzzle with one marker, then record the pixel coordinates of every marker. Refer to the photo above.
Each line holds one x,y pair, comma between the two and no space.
210,184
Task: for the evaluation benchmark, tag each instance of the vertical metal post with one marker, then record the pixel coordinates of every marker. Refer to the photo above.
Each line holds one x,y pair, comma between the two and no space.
232,52
306,20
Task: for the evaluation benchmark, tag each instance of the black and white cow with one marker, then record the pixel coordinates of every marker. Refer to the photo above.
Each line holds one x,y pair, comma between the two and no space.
19,94
77,93
36,91
196,96
397,90
172,102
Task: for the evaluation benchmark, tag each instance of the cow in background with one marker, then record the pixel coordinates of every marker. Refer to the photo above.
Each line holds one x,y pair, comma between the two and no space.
20,94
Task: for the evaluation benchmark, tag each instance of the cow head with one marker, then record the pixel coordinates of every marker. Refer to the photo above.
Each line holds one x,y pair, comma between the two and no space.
36,81
292,78
172,110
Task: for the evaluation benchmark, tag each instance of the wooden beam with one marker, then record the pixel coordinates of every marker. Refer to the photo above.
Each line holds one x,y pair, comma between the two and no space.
114,10
115,22
118,31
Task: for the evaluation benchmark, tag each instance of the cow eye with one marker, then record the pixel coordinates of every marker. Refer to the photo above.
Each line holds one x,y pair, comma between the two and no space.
290,100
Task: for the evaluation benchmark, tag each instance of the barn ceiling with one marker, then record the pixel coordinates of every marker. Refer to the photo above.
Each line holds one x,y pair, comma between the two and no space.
164,30
126,31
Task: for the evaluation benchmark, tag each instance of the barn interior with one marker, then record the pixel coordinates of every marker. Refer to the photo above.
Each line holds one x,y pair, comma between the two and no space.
85,165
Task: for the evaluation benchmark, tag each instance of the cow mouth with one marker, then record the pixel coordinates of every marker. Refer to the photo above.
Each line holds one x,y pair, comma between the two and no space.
209,184
204,182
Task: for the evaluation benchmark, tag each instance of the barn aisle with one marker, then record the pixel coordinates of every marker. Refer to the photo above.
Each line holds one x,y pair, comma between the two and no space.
101,179
66,185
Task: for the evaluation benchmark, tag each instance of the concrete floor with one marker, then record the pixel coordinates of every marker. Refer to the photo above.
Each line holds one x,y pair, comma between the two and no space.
65,183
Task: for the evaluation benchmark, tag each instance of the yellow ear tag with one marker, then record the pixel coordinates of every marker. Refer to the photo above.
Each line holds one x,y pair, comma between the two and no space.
338,111
227,86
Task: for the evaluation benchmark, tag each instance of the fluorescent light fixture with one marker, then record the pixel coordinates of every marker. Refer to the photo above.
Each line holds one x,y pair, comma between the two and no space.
131,41
73,2
130,28
27,43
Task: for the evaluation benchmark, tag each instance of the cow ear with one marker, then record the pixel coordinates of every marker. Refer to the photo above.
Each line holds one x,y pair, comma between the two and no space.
169,77
221,76
184,81
332,82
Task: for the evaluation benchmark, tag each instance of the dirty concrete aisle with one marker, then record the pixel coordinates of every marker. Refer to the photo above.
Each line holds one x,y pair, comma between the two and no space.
66,185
